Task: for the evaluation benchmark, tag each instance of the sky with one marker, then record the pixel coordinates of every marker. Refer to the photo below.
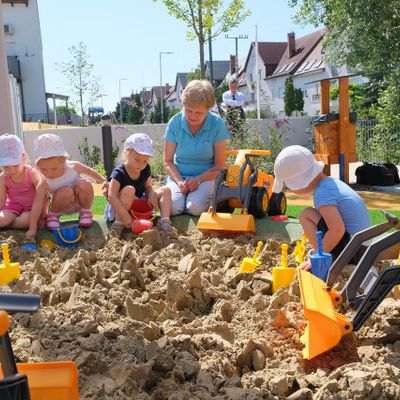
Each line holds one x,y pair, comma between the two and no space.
124,39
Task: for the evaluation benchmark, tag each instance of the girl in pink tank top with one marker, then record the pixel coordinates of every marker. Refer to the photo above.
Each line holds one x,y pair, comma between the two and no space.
20,203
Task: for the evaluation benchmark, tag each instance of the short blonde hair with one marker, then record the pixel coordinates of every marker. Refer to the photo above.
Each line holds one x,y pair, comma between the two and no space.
198,92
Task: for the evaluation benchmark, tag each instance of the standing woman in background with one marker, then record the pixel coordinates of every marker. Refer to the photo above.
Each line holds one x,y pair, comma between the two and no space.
195,141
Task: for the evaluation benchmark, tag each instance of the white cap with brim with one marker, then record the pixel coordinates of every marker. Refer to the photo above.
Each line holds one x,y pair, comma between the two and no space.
48,146
11,150
295,167
141,143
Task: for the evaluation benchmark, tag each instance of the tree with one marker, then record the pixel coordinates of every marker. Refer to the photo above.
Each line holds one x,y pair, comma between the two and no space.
365,36
292,97
66,110
299,100
135,112
203,16
84,86
155,117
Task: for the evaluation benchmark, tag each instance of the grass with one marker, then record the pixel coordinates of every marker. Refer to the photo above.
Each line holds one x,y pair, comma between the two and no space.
100,202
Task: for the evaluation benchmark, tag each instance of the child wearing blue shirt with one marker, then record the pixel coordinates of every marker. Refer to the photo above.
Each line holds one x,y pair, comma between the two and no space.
339,212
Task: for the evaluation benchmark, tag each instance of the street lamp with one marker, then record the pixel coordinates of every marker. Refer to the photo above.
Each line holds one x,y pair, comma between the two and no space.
161,85
120,98
236,49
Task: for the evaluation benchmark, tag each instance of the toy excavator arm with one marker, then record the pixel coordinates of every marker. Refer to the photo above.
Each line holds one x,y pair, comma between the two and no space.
355,243
361,275
389,278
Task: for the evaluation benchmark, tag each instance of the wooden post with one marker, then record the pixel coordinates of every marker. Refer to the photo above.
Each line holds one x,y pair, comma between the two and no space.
344,138
324,96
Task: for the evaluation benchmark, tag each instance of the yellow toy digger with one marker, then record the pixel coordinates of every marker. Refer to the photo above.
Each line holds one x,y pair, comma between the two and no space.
363,292
31,381
242,185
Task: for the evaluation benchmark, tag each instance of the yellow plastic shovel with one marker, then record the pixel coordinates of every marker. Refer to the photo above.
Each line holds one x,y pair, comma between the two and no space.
250,264
282,276
300,249
8,270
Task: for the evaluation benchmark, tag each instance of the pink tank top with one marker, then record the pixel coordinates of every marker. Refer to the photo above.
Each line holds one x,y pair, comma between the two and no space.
21,193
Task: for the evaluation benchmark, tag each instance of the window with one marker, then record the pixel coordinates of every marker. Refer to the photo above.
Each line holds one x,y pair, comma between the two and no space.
318,63
302,66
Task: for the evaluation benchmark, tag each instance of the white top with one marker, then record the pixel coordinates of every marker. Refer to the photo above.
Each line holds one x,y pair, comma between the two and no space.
233,99
69,179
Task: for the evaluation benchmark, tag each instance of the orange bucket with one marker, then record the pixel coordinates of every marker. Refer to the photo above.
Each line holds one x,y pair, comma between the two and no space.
140,209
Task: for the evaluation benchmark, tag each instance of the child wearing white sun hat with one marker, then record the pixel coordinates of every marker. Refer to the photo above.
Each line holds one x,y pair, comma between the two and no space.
68,190
339,212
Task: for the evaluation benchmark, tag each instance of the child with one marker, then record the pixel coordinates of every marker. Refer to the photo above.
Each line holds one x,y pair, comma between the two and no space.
22,194
339,212
68,191
131,180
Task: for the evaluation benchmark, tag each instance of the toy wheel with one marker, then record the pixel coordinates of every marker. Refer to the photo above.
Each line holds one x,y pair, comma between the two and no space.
224,206
259,202
278,204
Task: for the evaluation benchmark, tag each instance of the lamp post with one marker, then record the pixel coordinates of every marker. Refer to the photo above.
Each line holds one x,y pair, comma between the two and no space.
161,85
236,49
120,98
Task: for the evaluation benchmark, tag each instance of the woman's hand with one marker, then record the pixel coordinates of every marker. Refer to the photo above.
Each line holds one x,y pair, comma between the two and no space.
152,200
183,187
192,184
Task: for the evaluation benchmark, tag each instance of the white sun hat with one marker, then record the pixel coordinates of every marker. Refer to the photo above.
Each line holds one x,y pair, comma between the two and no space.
295,167
47,146
11,150
141,143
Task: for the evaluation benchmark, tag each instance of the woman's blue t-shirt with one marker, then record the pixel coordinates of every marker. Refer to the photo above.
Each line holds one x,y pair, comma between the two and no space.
194,154
332,192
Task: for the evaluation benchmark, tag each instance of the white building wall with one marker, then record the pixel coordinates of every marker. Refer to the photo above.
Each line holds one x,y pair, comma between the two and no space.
26,44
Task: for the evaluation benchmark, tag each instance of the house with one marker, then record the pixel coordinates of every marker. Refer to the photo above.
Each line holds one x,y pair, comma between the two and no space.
220,69
173,100
307,49
269,56
24,55
145,97
156,93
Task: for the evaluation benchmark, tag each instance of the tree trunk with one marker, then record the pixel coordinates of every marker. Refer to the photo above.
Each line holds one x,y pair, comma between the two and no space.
202,66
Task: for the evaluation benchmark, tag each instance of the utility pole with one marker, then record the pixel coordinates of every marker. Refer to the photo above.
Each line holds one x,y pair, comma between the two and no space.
162,87
257,77
236,50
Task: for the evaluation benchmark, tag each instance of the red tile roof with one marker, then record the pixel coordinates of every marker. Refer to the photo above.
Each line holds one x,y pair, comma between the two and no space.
304,46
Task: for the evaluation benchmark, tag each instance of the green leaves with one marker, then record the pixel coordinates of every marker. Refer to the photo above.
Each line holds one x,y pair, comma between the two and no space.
201,16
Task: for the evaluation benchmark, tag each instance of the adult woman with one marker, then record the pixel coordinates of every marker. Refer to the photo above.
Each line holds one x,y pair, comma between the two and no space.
195,141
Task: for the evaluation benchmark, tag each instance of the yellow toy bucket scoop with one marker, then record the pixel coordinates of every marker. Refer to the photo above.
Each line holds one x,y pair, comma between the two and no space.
250,264
325,327
282,276
8,270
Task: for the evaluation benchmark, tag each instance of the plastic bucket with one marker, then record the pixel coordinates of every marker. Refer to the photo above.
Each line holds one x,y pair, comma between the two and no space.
140,225
68,236
140,209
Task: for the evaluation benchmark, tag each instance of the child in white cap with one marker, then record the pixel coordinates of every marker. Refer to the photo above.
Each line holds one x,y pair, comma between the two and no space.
22,194
339,212
69,192
131,180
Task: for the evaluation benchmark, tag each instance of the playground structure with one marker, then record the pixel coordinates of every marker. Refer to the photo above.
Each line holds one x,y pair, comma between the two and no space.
335,134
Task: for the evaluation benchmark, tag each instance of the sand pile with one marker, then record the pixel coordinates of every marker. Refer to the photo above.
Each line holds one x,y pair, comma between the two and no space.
147,319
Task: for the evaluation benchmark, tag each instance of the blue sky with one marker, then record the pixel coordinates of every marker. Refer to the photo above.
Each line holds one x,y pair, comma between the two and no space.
124,38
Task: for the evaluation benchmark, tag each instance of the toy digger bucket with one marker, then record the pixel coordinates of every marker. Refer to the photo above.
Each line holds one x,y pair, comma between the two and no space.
325,327
52,380
226,222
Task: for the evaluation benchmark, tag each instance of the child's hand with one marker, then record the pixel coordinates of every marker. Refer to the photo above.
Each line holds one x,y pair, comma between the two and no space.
104,188
305,266
30,233
127,221
183,186
152,200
